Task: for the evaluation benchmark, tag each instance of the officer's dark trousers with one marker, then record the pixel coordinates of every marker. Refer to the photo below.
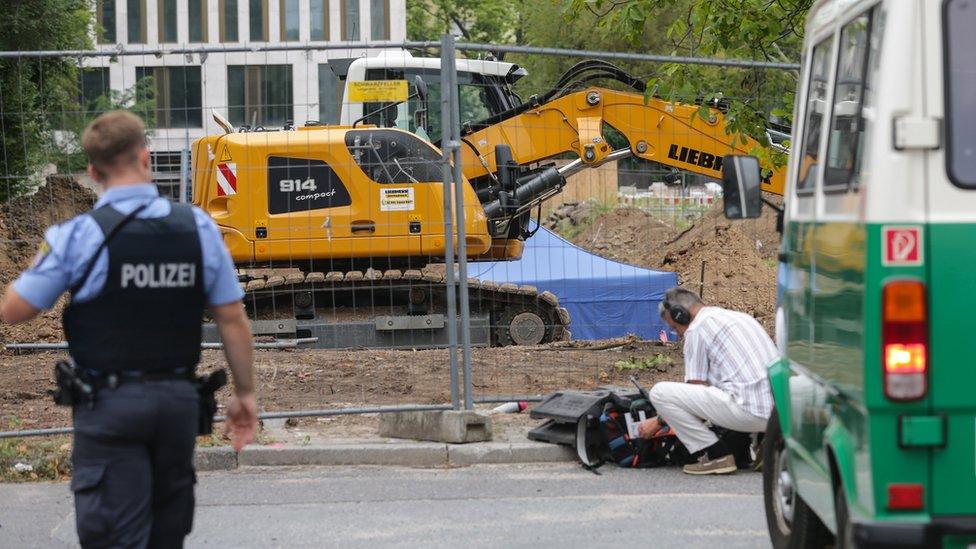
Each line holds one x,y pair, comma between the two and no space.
133,465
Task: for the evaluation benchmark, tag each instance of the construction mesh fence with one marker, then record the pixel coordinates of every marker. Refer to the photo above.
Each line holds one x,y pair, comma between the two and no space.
346,179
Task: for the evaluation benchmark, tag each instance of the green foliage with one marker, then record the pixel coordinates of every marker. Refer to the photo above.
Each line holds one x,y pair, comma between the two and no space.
489,21
660,363
569,230
552,23
140,99
32,87
744,29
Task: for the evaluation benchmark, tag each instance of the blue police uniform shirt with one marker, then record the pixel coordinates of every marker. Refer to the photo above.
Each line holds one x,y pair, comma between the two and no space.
72,244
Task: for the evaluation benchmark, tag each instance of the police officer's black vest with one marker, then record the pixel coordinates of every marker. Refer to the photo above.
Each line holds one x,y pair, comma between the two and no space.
148,315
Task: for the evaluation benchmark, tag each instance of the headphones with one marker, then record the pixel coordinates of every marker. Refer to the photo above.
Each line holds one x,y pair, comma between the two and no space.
679,314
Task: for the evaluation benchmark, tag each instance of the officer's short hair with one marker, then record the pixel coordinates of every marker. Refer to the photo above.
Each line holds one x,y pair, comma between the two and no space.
114,138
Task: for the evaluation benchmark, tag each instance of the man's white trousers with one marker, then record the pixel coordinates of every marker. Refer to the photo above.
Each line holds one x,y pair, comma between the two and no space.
686,407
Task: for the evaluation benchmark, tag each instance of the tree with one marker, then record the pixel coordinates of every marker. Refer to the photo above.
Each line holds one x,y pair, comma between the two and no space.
554,24
732,29
32,87
484,21
140,99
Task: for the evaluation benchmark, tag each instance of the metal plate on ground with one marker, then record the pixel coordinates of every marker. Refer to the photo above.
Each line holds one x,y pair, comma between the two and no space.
554,433
569,406
274,327
410,322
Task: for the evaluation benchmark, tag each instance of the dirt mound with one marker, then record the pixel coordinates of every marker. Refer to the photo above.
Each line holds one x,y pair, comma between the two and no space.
739,257
630,235
23,221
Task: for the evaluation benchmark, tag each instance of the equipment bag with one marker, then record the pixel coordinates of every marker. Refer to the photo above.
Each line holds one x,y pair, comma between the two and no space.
607,439
626,450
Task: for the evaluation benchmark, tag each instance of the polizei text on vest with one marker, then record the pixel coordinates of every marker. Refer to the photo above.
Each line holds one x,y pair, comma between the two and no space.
159,275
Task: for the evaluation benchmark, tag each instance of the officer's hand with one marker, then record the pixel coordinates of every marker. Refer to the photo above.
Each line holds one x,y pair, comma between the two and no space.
242,420
648,427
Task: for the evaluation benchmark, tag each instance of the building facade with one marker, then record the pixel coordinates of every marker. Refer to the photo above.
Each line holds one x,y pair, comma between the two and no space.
266,89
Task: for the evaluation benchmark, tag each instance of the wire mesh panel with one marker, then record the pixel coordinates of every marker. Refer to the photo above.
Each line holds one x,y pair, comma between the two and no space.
330,203
602,193
348,178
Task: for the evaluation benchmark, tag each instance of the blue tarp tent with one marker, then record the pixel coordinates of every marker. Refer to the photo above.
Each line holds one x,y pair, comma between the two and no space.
605,298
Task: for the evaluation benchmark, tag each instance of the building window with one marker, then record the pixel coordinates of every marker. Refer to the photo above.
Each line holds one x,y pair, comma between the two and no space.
319,20
330,95
166,21
178,94
258,10
198,20
350,19
105,21
379,17
228,20
92,98
93,84
259,95
136,21
288,20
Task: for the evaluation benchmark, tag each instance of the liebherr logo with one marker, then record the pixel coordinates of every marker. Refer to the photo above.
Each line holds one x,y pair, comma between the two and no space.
695,157
159,275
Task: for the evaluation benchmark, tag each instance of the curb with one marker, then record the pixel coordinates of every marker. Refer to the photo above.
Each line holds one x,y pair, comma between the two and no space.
401,454
462,455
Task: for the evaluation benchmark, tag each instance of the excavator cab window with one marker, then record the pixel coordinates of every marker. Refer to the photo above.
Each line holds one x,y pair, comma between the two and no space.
479,97
388,156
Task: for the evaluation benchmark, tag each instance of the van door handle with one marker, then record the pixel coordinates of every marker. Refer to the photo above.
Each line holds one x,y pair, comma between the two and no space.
365,226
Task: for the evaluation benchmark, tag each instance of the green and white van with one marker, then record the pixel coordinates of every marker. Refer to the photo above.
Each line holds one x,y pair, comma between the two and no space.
872,440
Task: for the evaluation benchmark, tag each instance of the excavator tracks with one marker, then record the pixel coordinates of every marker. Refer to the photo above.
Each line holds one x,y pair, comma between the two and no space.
519,314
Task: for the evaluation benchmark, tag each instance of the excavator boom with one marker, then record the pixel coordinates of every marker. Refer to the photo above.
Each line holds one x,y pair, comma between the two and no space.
672,134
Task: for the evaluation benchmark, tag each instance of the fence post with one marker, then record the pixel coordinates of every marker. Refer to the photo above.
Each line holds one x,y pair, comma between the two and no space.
447,67
449,87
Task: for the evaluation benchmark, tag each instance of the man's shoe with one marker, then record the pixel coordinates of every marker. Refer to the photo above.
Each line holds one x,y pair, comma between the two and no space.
757,454
707,466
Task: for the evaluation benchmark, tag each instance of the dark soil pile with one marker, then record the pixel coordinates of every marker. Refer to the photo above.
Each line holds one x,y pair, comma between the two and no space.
739,257
23,221
625,234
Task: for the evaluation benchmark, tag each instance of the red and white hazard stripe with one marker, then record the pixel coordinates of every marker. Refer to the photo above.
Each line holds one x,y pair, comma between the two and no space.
226,179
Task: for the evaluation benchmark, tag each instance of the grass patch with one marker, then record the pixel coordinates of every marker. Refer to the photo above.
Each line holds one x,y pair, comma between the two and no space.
35,459
212,440
600,207
660,363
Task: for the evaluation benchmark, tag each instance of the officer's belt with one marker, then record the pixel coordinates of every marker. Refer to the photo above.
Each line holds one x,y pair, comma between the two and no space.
111,380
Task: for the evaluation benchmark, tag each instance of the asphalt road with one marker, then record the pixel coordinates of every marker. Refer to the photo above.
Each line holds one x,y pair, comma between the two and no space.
483,506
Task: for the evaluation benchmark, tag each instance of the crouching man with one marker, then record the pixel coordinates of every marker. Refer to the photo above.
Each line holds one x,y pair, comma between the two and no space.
726,355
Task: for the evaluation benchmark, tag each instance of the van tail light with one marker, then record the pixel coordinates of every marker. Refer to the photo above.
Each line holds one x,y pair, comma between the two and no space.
905,341
906,497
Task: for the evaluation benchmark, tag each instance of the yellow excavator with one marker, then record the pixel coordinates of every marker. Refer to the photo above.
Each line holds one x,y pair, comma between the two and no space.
338,230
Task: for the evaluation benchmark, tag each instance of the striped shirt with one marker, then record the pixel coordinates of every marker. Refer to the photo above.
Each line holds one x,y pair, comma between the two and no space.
731,351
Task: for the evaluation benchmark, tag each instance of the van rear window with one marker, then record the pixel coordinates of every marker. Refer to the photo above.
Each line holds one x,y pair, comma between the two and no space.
958,22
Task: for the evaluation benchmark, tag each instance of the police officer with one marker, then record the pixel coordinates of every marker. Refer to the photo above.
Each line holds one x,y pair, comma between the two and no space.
140,270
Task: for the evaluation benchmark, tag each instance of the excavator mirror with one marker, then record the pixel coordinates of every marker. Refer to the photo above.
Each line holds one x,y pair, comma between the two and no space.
741,179
420,115
421,87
